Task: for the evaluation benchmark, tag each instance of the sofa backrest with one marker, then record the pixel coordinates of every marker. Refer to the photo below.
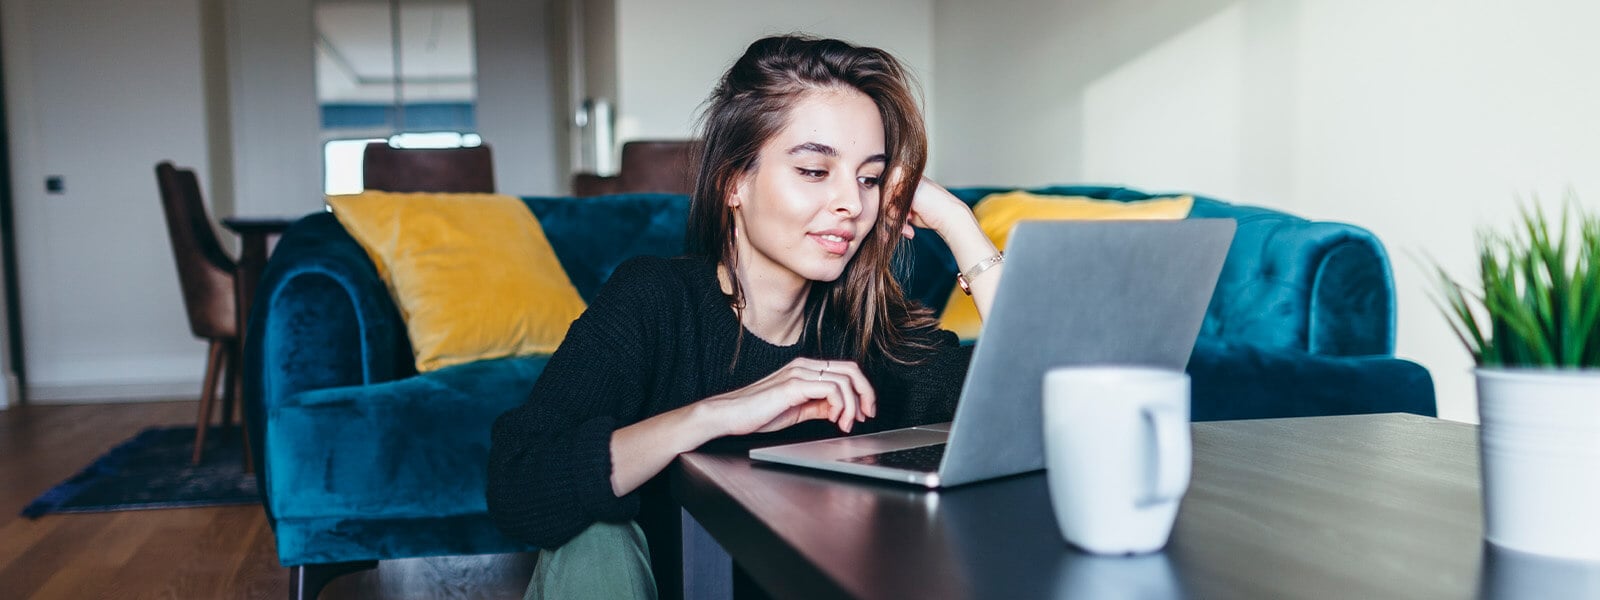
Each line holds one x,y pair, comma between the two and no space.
1319,287
591,236
1323,288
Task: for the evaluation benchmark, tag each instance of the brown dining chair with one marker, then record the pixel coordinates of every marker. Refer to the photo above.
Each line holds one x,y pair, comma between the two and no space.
665,166
206,274
446,170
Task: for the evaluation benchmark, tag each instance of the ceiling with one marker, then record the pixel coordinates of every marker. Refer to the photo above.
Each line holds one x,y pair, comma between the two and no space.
355,55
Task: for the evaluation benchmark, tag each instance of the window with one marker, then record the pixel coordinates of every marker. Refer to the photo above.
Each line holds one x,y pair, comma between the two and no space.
341,159
401,71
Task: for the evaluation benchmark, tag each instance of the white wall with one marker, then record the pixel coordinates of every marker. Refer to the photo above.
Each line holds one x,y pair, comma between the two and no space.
670,54
1419,120
518,107
272,98
98,91
1011,77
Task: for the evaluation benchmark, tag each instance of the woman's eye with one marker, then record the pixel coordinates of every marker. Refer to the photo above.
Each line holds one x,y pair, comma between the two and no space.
869,182
812,173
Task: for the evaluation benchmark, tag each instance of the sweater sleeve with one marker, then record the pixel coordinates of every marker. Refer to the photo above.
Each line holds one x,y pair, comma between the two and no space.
924,393
550,458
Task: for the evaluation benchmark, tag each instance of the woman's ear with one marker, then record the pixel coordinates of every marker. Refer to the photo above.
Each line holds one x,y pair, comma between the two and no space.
741,189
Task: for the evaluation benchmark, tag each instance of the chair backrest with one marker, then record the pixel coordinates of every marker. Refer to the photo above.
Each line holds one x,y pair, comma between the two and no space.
205,271
446,170
663,166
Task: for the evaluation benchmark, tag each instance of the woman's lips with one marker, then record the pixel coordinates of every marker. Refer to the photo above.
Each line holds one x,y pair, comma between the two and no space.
833,242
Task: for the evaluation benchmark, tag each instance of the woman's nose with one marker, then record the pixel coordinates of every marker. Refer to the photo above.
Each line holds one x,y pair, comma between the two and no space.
847,199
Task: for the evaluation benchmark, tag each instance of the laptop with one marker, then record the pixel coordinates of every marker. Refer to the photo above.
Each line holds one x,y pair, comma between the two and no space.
1074,293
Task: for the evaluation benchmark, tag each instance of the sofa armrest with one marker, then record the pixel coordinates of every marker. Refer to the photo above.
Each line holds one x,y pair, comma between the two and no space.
321,318
1245,381
413,446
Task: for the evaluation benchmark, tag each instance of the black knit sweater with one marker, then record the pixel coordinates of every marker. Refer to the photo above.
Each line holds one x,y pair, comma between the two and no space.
660,335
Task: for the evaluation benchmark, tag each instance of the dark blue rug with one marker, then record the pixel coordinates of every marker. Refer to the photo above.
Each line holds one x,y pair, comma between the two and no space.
152,470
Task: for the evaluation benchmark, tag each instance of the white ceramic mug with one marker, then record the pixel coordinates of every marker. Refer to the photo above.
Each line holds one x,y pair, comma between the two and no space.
1118,453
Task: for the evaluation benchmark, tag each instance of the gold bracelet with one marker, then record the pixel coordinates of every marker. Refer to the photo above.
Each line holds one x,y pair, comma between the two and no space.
964,278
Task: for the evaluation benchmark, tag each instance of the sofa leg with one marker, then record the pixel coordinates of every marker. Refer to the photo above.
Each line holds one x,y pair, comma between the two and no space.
306,581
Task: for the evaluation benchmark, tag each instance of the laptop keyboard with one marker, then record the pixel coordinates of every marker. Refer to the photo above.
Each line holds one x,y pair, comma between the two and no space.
922,458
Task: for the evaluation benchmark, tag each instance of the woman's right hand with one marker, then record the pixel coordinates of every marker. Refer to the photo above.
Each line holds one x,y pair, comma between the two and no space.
803,390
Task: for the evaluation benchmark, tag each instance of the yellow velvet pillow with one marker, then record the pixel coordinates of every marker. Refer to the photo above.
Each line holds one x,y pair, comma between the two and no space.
472,274
998,213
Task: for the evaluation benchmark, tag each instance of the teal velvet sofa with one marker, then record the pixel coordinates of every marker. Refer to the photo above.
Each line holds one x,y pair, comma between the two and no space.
362,459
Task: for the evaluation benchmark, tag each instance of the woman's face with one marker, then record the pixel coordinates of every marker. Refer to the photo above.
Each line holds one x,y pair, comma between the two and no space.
802,213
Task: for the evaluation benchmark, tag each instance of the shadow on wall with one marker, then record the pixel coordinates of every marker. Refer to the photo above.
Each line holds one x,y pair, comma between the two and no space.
1210,108
1058,50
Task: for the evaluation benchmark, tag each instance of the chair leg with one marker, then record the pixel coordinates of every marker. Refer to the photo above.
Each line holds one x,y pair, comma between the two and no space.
230,369
249,450
208,396
235,390
306,581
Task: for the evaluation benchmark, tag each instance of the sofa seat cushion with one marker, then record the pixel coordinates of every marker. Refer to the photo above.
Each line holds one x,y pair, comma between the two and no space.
412,447
1238,380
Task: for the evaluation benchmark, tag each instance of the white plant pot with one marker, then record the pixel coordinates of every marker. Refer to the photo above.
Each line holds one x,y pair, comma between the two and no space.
1540,449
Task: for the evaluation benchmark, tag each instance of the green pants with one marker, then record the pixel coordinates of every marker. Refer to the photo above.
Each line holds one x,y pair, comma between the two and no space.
606,561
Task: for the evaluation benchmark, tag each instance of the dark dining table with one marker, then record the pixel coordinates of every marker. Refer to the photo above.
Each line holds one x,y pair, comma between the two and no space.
257,235
1368,506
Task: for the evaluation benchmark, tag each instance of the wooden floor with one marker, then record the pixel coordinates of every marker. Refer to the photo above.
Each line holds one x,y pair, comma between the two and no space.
202,553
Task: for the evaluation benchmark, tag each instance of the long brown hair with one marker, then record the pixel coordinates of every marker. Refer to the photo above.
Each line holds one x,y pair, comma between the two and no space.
865,308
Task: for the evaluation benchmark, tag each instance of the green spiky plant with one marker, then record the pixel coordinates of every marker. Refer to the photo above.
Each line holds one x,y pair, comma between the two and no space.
1540,305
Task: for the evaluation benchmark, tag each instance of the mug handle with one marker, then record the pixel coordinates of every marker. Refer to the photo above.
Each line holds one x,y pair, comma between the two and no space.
1172,466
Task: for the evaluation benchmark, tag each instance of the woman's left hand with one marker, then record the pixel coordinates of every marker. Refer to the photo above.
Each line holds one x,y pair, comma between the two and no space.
933,207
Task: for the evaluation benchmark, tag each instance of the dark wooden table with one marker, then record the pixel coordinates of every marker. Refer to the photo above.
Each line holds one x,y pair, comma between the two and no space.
256,238
257,235
1373,506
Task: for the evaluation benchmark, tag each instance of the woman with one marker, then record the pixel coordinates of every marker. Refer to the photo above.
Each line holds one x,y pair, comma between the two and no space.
785,316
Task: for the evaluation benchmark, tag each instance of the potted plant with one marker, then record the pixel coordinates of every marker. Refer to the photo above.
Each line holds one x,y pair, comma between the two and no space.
1534,332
